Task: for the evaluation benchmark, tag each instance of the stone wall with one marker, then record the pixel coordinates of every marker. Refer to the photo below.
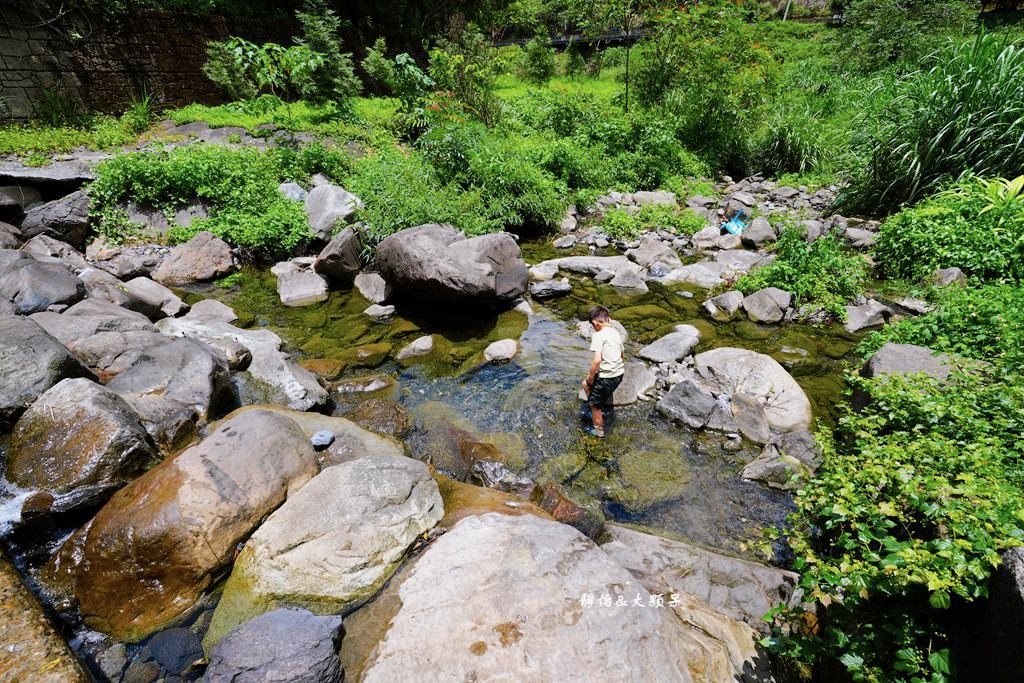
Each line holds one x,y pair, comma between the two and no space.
83,58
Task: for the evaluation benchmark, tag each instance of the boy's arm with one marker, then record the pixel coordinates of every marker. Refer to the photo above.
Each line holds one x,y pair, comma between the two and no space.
595,365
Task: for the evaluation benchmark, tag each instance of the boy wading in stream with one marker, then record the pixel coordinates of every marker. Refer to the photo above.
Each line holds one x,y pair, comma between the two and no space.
606,369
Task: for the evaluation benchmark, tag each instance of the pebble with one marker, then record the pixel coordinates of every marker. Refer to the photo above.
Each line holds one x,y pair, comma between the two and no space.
322,439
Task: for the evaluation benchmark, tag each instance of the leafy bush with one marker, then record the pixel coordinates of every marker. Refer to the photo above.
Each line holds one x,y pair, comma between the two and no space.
227,73
977,225
239,185
574,64
464,66
333,78
915,499
821,274
622,225
538,60
965,112
880,33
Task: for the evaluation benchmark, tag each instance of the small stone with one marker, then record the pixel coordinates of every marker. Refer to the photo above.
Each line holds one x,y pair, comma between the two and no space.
322,439
504,349
379,312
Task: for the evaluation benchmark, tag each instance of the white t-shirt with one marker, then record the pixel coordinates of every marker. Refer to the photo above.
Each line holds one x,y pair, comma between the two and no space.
609,343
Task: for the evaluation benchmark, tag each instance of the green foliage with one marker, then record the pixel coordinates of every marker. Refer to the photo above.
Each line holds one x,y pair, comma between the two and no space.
790,142
625,226
376,64
239,185
94,132
821,274
332,78
978,226
880,33
916,497
464,66
227,73
573,65
538,60
704,66
965,112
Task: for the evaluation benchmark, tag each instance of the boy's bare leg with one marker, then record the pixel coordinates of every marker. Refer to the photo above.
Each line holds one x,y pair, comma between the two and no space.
598,418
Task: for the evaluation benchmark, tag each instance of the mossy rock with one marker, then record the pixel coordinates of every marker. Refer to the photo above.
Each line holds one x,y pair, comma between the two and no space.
329,369
647,317
369,355
466,500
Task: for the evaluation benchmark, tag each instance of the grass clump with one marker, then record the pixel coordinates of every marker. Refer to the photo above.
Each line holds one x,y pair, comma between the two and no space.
822,274
238,185
621,224
963,112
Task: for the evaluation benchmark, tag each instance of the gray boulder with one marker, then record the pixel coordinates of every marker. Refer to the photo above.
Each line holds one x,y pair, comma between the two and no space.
103,336
652,249
301,288
871,314
860,238
706,274
66,219
943,277
706,238
48,246
786,461
372,287
437,263
629,280
724,307
78,434
278,378
479,600
326,205
33,286
550,289
31,361
283,646
738,588
184,370
657,198
15,199
334,544
767,305
729,371
204,257
587,265
10,236
637,380
673,346
696,407
751,419
339,261
905,359
151,298
759,233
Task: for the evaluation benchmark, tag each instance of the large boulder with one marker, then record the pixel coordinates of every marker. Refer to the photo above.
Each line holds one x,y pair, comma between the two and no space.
326,205
438,264
724,307
332,545
740,589
767,305
728,371
283,646
637,380
759,233
340,260
499,596
651,250
906,359
673,346
204,257
34,286
31,361
150,298
78,434
160,542
45,245
184,370
695,406
66,219
278,379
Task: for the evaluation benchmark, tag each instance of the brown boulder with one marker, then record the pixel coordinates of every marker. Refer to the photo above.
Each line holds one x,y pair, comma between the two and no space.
204,257
153,549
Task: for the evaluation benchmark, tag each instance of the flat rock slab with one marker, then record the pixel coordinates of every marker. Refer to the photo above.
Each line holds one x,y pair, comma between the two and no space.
672,346
498,597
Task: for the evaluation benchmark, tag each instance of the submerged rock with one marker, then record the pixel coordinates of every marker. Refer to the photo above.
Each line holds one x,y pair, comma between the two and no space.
155,547
333,544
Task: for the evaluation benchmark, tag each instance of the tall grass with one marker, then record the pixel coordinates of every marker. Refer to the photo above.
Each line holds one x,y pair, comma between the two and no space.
964,113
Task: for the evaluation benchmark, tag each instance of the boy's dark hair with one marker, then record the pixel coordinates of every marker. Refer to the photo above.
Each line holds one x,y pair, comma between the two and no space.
599,313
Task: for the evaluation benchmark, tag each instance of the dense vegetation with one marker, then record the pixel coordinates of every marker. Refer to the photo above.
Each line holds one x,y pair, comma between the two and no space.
913,113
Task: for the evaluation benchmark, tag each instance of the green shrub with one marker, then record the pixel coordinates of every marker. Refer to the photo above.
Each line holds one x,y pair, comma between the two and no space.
821,274
971,226
538,60
964,112
239,185
623,225
915,498
227,73
333,78
465,66
574,65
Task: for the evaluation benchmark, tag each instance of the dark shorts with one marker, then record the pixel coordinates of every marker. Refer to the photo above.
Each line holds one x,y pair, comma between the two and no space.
601,392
